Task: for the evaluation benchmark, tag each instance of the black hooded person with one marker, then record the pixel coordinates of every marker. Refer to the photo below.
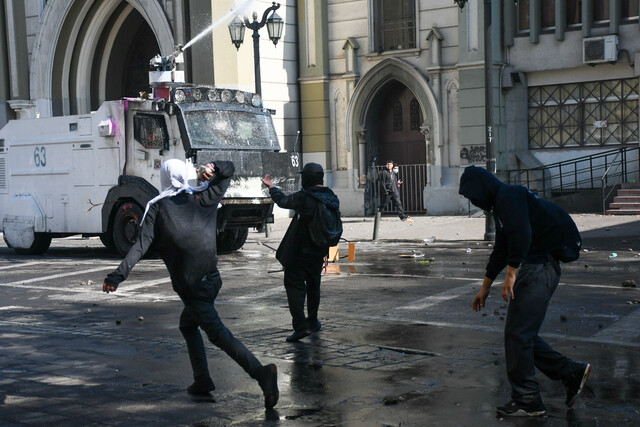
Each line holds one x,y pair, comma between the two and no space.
300,257
181,223
532,237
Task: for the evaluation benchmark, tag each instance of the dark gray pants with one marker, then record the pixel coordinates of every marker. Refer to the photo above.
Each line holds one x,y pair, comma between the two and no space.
524,349
199,311
302,280
395,200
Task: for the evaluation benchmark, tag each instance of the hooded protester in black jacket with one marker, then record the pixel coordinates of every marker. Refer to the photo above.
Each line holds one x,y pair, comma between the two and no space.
181,223
527,227
532,236
301,258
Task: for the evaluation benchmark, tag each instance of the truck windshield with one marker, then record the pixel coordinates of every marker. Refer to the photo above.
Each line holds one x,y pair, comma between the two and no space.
230,128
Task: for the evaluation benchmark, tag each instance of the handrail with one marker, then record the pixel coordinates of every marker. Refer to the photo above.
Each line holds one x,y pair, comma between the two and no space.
603,179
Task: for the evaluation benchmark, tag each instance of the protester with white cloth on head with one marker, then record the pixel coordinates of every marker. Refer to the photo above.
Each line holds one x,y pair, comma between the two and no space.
181,223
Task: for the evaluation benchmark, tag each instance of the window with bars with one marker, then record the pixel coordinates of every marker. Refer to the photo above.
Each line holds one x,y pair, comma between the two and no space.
600,113
601,12
394,24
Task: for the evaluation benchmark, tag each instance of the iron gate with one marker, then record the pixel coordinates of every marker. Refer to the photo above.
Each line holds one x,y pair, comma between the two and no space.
414,179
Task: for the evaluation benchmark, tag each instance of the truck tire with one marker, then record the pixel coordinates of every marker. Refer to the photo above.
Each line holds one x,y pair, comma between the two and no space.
126,226
107,241
231,239
41,242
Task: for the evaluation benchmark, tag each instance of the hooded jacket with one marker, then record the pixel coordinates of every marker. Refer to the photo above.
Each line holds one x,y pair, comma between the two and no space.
528,229
296,240
182,228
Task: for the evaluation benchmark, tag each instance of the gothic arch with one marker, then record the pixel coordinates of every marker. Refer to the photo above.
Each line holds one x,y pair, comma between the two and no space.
69,26
360,106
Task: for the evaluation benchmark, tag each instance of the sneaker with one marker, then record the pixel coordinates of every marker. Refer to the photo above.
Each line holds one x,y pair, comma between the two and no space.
409,220
315,327
575,382
201,387
298,335
268,380
519,409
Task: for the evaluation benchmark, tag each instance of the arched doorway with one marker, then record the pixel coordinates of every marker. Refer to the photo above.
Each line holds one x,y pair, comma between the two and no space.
87,52
368,103
399,122
400,139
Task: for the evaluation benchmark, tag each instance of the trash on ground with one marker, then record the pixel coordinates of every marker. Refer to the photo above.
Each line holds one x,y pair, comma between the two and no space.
468,250
613,255
414,254
629,283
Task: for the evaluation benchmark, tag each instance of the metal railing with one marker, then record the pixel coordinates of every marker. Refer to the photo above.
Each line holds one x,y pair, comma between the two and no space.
414,178
582,173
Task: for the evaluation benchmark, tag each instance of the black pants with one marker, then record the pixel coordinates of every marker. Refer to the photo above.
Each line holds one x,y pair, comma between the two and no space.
302,280
199,312
393,197
524,349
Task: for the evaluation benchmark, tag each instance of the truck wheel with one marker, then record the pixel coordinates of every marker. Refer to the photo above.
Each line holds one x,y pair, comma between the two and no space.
107,241
231,239
41,242
125,226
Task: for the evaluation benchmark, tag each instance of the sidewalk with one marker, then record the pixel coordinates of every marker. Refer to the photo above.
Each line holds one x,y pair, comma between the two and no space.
452,228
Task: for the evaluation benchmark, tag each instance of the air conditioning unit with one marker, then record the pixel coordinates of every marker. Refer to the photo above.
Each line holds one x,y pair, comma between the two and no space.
596,50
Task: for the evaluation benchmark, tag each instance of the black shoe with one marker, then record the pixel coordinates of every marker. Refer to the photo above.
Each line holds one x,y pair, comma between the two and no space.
268,380
518,409
201,387
575,382
315,326
298,335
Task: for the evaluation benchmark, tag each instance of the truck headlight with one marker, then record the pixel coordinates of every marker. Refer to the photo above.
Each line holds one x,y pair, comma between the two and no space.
197,94
212,95
256,100
179,95
226,96
240,97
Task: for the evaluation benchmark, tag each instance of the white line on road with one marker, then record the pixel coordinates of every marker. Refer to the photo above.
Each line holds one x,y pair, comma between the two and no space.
25,283
20,265
447,295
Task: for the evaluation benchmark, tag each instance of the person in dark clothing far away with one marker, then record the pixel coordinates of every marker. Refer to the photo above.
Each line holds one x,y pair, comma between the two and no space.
391,190
532,237
181,223
301,258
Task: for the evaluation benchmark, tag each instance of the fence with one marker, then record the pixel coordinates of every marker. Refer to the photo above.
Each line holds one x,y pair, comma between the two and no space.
414,179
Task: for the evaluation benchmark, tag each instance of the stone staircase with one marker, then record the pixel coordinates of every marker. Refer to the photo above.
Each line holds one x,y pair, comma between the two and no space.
627,200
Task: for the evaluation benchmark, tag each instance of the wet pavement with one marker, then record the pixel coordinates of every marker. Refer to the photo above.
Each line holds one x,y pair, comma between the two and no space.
399,343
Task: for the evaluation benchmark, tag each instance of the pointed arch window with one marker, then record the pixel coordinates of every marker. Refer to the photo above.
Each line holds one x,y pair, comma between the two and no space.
397,116
414,114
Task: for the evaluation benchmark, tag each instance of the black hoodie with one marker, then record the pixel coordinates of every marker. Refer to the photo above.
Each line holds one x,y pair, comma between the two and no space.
296,240
528,229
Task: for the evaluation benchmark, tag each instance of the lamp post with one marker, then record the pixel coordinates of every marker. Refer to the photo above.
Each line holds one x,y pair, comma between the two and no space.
274,25
490,227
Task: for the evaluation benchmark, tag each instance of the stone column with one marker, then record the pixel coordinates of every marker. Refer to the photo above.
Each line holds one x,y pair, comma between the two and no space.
361,135
425,130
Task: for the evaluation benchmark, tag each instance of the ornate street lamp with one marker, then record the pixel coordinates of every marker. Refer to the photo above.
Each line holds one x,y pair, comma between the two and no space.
274,28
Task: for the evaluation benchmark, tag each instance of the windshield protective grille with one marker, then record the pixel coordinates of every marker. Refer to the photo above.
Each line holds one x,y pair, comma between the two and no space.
230,129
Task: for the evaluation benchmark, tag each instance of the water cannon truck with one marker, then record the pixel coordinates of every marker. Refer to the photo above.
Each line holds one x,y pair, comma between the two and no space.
93,174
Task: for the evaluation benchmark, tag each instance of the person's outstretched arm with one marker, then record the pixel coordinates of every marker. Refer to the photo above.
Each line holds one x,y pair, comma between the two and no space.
219,182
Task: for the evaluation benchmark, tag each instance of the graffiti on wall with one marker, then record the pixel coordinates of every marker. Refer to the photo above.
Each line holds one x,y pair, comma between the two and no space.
474,153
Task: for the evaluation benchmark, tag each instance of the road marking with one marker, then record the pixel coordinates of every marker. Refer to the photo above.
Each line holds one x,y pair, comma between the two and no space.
24,264
625,329
441,297
24,283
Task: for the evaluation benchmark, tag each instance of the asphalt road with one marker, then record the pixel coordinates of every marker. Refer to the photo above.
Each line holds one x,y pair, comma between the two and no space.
399,345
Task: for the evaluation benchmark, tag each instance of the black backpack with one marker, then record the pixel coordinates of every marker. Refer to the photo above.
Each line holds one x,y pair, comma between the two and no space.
325,227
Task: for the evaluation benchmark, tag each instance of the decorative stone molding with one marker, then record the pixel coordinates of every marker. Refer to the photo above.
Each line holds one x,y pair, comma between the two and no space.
24,108
434,38
350,48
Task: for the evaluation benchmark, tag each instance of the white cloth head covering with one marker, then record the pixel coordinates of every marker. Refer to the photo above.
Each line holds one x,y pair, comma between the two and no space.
174,180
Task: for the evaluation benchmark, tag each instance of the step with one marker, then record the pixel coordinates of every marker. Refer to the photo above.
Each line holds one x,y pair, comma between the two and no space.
629,192
626,205
623,211
626,199
630,185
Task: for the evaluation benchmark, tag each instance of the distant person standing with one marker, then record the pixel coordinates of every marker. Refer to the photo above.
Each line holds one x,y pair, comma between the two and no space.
300,255
391,190
532,237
